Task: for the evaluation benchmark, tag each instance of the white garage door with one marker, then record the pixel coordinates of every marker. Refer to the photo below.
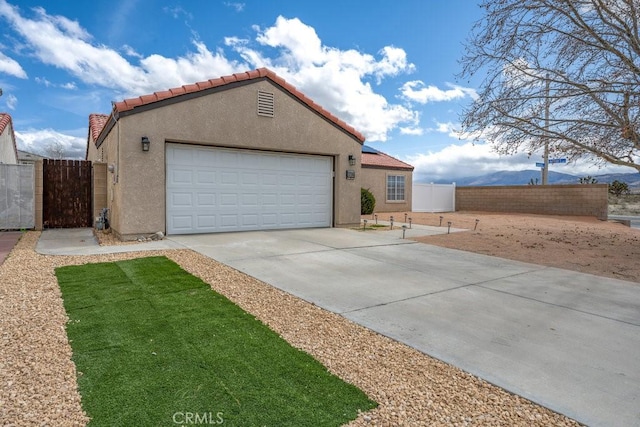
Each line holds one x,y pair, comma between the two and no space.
219,189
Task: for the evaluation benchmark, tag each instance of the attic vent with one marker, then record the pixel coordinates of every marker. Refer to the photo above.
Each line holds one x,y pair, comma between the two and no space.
265,104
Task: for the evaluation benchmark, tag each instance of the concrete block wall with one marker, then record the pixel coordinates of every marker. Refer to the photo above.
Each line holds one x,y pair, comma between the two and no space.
99,189
577,200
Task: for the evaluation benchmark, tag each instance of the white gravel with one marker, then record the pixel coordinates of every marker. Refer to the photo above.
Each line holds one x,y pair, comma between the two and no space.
38,379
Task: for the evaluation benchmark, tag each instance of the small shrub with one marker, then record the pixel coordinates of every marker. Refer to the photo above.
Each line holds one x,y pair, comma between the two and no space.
367,202
618,188
588,180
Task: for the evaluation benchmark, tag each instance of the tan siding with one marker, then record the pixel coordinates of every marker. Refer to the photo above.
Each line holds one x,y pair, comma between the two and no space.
375,180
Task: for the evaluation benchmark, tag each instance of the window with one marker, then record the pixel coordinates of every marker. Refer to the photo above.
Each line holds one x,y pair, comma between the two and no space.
395,188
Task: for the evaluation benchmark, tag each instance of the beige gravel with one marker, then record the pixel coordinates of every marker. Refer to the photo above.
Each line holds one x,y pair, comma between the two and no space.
38,379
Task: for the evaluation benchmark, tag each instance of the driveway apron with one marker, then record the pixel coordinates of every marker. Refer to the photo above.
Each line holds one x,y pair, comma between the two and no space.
566,340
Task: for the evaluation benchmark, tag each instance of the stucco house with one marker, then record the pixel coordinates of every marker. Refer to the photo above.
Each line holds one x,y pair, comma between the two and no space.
241,152
8,150
388,179
27,158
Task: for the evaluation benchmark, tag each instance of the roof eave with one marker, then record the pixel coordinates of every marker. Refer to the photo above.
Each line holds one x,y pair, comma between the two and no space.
400,168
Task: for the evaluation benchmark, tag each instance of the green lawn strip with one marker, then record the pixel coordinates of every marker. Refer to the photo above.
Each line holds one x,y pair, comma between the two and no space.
154,344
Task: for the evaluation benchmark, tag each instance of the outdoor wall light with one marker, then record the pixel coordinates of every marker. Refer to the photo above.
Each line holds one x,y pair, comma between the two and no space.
352,160
145,143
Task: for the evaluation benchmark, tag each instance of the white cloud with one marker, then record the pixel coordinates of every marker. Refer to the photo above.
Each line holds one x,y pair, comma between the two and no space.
417,91
463,160
334,78
38,140
177,12
239,7
11,101
468,160
43,81
161,73
411,131
64,44
69,86
11,67
129,51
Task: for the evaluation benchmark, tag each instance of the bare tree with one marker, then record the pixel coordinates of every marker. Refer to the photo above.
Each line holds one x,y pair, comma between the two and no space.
577,60
55,150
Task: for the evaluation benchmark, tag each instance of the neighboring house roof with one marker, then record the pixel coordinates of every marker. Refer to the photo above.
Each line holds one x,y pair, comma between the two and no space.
5,121
96,124
158,99
372,158
25,156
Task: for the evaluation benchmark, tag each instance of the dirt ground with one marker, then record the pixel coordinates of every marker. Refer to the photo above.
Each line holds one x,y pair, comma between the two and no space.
582,244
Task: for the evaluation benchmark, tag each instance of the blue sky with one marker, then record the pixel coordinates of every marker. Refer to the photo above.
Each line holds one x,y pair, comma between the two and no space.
386,67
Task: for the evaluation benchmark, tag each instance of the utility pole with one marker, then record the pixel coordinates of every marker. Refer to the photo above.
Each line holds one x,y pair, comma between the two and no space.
545,169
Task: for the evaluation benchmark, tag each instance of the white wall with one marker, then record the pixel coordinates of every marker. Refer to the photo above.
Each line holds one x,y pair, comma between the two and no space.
434,198
7,147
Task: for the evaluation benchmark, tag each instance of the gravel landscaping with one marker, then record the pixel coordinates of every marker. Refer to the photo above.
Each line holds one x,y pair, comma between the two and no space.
38,379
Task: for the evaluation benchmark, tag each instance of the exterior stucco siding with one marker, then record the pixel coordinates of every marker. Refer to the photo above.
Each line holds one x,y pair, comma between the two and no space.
375,180
7,147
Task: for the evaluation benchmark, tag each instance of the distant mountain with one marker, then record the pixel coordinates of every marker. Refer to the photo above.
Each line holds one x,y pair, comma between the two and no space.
525,177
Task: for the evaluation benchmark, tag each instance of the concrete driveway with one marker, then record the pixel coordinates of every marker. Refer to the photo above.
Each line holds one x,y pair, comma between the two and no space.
566,340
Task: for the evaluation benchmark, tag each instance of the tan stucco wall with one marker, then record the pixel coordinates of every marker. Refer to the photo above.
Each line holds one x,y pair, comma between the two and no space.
7,149
375,180
93,153
99,179
136,189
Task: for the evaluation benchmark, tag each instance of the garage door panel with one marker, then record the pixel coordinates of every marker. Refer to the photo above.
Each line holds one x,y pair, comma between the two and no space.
181,176
269,200
250,178
182,222
206,221
229,178
215,189
206,200
205,177
268,179
182,200
250,200
229,200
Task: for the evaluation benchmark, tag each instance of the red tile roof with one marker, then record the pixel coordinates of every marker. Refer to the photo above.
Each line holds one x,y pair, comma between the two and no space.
260,73
96,123
5,120
381,160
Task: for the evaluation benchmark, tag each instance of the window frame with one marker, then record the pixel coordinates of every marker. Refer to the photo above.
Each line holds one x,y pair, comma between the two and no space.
393,193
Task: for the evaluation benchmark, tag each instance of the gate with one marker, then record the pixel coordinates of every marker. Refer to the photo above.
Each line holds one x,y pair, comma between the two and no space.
66,198
17,197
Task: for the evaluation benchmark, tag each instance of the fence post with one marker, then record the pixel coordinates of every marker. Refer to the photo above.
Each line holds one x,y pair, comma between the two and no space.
38,211
453,196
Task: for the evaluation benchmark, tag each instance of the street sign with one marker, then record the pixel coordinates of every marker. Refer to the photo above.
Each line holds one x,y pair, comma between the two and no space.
539,165
557,160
